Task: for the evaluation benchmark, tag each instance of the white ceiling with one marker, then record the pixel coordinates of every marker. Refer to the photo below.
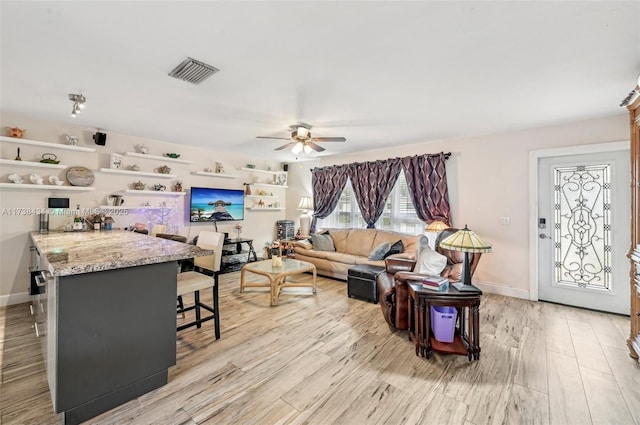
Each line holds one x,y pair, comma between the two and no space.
377,73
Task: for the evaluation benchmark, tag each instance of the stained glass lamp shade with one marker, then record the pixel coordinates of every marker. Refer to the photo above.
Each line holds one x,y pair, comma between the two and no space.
436,226
466,241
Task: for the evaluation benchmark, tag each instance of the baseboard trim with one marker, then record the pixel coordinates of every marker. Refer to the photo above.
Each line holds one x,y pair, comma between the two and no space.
507,291
11,299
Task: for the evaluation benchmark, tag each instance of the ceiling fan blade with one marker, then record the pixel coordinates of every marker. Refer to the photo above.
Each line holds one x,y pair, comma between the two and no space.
277,138
329,139
283,146
315,147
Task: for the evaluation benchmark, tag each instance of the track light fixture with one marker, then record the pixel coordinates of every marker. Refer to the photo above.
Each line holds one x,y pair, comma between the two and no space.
78,103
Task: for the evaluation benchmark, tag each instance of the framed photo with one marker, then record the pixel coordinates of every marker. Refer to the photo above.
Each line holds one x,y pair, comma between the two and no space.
116,160
281,178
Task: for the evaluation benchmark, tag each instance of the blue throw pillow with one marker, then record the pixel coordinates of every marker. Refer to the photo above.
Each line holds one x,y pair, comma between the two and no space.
396,248
380,251
322,242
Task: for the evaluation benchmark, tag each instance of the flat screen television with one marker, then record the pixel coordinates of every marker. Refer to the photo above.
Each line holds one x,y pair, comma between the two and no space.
210,204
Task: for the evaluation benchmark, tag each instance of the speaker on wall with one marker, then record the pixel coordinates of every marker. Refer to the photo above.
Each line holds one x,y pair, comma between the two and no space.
100,138
285,167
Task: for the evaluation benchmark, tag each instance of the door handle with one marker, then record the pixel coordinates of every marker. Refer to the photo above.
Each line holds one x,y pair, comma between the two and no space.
543,236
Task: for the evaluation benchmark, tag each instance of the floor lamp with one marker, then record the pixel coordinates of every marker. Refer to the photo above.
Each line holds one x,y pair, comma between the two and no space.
305,205
466,241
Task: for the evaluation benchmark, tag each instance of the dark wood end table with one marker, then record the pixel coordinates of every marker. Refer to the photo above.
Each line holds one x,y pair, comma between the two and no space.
467,334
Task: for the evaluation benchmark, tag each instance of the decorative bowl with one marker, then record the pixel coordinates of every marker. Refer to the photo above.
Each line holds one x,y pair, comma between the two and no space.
251,165
163,170
173,155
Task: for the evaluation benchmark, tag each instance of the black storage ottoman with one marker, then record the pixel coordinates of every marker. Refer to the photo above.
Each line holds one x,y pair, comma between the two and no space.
361,282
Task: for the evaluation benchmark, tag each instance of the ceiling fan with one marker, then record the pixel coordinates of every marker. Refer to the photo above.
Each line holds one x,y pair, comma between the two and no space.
301,139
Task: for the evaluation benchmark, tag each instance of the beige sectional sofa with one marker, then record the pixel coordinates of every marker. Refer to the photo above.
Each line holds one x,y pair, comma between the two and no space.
353,246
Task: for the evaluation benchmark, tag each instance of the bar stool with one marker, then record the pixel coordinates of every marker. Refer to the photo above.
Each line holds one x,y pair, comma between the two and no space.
195,281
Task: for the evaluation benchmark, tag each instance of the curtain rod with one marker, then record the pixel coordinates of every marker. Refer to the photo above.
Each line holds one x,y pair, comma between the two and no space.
446,156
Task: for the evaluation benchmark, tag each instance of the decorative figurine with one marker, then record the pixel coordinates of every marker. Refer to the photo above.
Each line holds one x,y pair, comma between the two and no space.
178,186
142,149
16,132
219,168
18,157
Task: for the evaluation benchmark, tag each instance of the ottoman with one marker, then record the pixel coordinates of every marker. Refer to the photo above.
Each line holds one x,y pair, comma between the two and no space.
361,282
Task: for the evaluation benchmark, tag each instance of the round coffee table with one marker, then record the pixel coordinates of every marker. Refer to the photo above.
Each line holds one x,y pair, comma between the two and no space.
278,276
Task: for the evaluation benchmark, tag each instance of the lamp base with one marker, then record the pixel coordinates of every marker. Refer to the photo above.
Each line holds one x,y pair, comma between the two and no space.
305,225
462,287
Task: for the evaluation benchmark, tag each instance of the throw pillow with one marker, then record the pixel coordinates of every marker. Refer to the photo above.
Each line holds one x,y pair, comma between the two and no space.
380,251
322,242
430,262
396,248
304,243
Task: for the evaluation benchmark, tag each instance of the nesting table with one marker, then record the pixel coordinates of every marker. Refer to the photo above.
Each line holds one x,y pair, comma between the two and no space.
277,276
467,334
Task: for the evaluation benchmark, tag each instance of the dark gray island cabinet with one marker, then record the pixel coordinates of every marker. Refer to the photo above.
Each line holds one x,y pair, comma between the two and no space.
109,307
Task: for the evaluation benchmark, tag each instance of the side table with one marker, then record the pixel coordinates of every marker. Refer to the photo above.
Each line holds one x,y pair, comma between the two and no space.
467,334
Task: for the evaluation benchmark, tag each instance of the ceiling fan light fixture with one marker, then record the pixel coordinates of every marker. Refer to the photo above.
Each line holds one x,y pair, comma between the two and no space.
307,149
302,132
297,148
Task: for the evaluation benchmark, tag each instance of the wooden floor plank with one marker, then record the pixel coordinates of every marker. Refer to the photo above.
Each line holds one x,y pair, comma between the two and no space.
606,403
567,400
328,358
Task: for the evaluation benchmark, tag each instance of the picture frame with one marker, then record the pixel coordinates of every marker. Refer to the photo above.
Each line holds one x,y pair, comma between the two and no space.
116,160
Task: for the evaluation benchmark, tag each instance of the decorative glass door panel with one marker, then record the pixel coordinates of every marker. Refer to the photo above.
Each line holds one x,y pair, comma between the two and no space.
582,226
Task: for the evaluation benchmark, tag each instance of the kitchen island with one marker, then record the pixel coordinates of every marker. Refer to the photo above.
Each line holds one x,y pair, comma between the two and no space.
107,316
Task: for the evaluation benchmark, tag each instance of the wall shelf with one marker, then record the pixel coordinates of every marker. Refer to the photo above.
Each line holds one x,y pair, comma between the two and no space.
269,185
138,207
264,209
158,157
153,192
255,170
45,187
219,175
261,197
32,164
138,173
48,145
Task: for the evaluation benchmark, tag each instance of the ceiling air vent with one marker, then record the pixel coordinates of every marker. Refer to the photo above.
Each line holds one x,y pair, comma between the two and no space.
193,71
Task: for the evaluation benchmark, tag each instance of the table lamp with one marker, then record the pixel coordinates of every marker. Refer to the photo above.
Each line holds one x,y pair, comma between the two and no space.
466,241
436,226
306,205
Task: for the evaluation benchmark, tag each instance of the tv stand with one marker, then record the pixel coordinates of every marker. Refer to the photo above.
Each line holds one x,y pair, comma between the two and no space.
233,257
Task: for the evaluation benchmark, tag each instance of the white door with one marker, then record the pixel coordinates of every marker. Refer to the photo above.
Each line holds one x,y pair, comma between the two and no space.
583,230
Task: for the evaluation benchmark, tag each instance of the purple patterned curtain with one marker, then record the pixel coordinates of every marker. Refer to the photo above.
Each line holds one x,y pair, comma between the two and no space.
327,184
372,182
427,181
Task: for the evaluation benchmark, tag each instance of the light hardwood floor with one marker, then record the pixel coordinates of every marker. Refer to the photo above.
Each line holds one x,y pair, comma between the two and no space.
328,359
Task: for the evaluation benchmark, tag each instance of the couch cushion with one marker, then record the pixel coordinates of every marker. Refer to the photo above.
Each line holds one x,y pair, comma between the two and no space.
310,252
341,257
380,251
339,238
360,242
322,242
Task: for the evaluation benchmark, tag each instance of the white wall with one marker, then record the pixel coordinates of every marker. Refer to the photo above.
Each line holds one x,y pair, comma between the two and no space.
14,277
487,179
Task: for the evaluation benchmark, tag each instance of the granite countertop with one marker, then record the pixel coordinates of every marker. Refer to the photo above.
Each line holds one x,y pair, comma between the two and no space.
72,253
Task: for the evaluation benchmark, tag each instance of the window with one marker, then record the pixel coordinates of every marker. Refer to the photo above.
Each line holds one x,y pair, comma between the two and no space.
398,215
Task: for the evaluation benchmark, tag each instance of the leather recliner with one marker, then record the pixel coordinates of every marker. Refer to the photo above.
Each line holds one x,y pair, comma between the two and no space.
392,284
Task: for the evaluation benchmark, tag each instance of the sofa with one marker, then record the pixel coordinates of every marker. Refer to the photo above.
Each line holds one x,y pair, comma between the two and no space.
352,247
392,284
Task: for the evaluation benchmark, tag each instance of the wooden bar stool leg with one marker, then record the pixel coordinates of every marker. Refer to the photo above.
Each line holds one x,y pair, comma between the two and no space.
196,294
216,307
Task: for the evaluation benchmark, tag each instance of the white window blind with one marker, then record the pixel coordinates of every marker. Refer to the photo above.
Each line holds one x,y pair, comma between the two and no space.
398,215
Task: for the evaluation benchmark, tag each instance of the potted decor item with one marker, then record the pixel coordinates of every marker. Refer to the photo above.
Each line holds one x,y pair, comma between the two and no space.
138,185
173,155
163,170
49,158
